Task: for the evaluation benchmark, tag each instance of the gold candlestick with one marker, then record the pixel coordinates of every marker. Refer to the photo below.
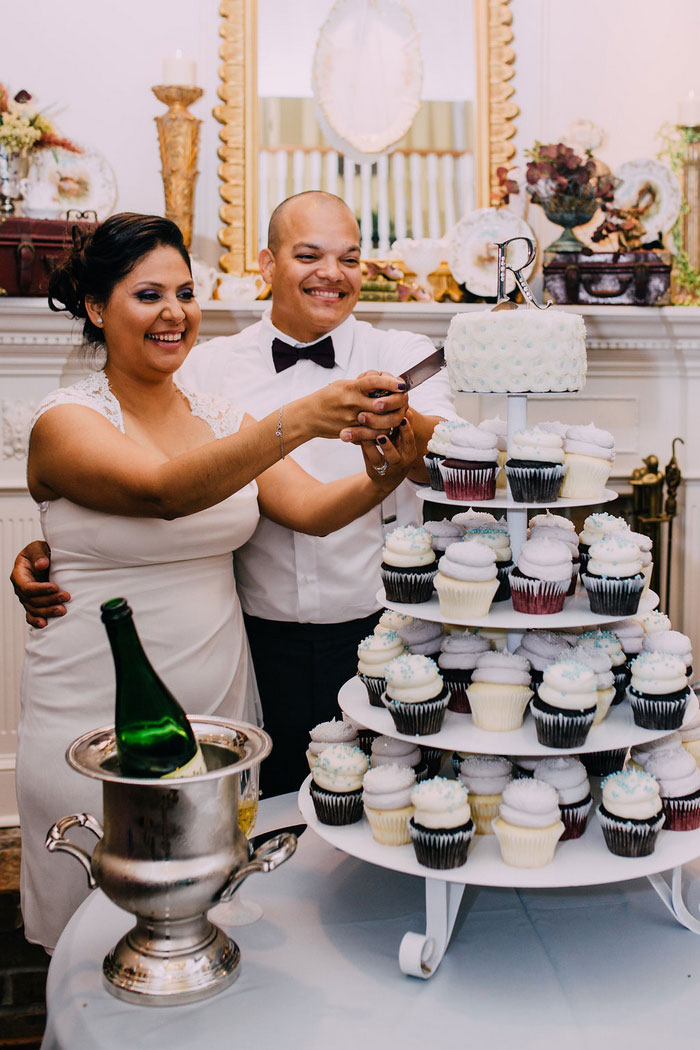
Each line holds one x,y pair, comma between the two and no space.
178,137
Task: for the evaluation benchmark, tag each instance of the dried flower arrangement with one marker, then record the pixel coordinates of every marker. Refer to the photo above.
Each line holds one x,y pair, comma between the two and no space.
24,127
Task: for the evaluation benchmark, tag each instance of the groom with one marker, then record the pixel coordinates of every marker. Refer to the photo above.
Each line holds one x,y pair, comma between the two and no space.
307,600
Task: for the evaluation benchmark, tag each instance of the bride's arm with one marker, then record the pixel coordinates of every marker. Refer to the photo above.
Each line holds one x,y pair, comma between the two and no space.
291,497
76,453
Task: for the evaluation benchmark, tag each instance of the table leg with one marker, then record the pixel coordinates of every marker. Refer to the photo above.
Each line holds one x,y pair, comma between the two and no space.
672,896
420,955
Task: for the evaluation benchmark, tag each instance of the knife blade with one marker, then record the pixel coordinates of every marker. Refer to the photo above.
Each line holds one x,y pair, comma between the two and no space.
257,840
416,375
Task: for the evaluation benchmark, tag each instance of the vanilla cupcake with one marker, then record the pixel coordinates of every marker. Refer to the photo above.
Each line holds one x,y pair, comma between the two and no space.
499,428
609,642
595,527
388,751
485,778
442,826
529,823
679,786
415,697
373,654
499,542
471,463
326,733
567,775
690,735
658,691
588,458
443,533
672,642
630,813
541,578
541,648
437,449
565,705
457,662
641,753
386,796
613,576
556,527
653,621
336,784
472,519
600,663
392,621
423,638
644,543
499,691
534,467
467,580
408,565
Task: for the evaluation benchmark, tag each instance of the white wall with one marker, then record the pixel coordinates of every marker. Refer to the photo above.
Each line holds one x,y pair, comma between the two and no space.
622,63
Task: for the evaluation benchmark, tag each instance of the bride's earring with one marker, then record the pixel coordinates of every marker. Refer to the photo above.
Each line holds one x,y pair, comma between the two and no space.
98,319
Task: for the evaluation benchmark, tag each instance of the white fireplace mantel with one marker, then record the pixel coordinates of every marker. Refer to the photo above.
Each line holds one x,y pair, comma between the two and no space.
643,384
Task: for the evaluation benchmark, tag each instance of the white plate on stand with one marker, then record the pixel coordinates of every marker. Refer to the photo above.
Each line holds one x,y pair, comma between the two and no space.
508,503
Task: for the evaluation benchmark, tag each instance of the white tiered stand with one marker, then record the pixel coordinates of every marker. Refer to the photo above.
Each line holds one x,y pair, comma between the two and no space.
579,862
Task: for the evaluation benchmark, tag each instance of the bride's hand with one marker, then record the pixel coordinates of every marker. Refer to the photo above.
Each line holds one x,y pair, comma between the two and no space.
347,408
387,461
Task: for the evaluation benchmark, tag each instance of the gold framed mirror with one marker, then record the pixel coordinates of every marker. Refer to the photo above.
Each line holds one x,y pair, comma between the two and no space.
494,114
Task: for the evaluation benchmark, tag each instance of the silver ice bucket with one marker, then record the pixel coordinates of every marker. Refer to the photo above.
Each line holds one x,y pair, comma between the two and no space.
169,851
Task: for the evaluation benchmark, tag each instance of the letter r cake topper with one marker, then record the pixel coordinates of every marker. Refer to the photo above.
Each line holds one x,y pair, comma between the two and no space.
501,297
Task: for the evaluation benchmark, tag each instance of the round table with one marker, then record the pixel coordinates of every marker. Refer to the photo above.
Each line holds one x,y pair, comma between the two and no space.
532,969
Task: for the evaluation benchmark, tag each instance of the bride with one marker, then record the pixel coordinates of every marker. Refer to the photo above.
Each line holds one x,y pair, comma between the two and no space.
144,491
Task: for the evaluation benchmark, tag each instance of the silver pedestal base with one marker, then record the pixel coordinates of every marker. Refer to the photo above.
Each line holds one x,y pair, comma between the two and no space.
171,962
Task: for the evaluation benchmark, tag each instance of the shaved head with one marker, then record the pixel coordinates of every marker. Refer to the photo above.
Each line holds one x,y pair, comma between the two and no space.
299,204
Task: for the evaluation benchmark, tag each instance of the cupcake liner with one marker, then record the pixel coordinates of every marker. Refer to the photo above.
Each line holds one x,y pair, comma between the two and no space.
504,570
622,677
583,549
411,586
682,813
498,709
658,712
374,686
527,847
535,679
418,719
463,598
647,571
534,484
574,816
604,702
390,826
469,483
432,464
609,596
556,727
433,757
629,838
336,807
693,748
602,763
539,597
457,680
484,811
441,847
586,476
574,580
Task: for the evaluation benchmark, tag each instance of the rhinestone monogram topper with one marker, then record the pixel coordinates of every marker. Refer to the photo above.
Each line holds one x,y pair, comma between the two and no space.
520,281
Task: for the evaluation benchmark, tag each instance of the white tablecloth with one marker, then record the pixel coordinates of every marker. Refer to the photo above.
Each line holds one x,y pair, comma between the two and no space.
602,967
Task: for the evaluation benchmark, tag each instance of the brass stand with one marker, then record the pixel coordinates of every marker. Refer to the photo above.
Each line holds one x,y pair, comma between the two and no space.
178,137
690,217
650,512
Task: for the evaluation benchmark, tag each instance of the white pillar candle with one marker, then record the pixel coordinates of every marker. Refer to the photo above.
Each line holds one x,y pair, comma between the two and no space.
179,70
689,111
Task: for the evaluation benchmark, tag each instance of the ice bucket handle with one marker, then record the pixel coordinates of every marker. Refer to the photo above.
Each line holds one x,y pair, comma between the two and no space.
270,855
55,840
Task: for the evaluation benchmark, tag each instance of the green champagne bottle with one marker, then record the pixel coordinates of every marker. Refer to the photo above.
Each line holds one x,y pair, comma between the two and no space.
154,736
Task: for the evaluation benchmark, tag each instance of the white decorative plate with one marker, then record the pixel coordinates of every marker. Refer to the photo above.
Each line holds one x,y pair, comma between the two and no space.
367,72
471,252
662,212
78,181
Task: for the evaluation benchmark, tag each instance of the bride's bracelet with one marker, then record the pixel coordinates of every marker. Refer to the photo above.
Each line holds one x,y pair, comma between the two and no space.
278,432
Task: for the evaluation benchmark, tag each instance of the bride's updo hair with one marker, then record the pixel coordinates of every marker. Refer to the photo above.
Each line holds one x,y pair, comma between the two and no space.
101,259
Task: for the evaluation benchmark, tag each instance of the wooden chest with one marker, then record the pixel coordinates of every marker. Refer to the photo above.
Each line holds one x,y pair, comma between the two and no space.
640,278
30,249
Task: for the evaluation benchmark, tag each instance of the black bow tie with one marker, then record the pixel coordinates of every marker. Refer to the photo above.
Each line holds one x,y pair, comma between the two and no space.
284,355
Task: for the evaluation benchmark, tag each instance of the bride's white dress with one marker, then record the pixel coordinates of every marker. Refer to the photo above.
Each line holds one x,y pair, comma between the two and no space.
178,578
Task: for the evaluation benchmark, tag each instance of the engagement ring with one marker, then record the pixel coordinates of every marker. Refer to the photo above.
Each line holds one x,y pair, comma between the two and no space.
382,469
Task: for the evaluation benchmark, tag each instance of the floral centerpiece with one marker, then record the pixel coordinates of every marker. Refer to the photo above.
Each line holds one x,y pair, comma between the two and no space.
569,188
23,128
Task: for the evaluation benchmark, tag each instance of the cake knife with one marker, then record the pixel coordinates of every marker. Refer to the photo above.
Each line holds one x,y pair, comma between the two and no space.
416,375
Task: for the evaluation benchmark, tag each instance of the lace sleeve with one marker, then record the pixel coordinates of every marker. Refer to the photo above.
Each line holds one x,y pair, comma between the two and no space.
223,417
92,391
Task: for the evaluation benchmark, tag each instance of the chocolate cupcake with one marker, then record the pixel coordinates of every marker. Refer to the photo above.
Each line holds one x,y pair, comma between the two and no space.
436,451
568,777
630,813
442,826
679,786
565,705
658,691
534,467
416,696
373,653
470,465
541,648
556,527
609,643
457,661
613,578
541,578
336,784
499,542
408,565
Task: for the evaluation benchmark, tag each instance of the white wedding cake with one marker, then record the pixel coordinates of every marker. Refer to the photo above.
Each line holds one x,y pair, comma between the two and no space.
516,351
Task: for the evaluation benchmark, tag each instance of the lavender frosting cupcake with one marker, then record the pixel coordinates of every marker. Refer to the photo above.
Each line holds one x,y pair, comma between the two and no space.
485,778
499,691
437,450
568,777
541,578
541,648
679,786
556,527
442,533
499,542
589,453
599,662
471,463
457,661
388,751
423,638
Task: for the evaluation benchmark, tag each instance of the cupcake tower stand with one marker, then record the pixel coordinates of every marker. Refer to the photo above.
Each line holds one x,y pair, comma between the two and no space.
579,862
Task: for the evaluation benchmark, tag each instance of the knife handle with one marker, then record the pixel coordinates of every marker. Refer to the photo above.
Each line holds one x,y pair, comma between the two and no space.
380,393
